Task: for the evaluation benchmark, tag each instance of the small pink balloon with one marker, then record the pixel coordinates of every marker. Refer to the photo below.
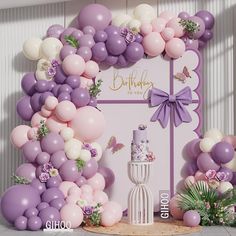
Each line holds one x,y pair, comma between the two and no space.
158,24
153,44
115,208
54,124
100,197
146,28
73,65
19,135
86,189
65,111
231,139
167,15
36,118
175,48
75,191
199,176
97,182
51,103
32,133
72,199
85,82
175,25
45,112
91,69
108,219
65,186
168,34
175,211
88,197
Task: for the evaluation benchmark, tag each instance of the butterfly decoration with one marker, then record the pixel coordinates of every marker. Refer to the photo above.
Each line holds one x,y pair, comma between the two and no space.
213,175
182,76
113,145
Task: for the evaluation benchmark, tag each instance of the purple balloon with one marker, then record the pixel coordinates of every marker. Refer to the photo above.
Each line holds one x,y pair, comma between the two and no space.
28,82
55,31
222,152
227,172
85,52
134,52
208,35
51,85
54,181
90,168
138,38
93,102
27,171
89,30
193,149
55,90
205,163
21,223
33,211
60,76
207,17
201,27
95,15
99,52
52,193
86,41
17,199
41,187
67,32
36,102
44,96
77,34
49,214
42,158
191,218
65,88
41,86
31,149
34,223
58,158
66,51
73,81
52,143
57,203
122,62
112,30
233,180
108,175
115,45
24,108
100,36
110,60
42,205
201,44
190,168
81,181
183,15
64,96
69,171
190,43
80,97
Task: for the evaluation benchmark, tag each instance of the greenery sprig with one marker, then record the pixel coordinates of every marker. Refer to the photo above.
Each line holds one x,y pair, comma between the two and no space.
80,164
42,131
72,41
189,26
19,180
95,89
95,218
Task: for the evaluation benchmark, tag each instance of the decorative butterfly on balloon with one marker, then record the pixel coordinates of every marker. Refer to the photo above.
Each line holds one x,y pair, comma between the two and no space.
114,146
182,76
213,175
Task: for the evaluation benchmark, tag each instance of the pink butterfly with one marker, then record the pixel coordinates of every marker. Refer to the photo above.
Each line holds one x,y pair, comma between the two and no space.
212,174
183,76
113,145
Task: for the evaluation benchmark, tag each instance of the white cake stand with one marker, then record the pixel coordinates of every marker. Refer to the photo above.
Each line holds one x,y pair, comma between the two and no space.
140,202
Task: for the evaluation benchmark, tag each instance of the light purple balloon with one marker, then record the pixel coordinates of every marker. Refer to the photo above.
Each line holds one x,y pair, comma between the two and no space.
35,102
93,102
207,17
58,158
44,96
85,52
66,51
55,89
233,180
190,168
86,41
52,193
110,60
65,88
95,15
228,172
33,211
17,199
27,171
57,203
191,218
41,86
115,45
64,96
60,76
21,223
51,85
191,43
54,181
49,214
34,223
41,187
24,108
201,27
90,168
99,52
108,175
67,32
207,35
73,81
31,149
138,38
42,158
69,171
134,52
52,143
122,62
201,44
80,97
205,163
112,30
89,30
42,205
183,15
81,181
28,82
193,149
100,36
77,34
55,31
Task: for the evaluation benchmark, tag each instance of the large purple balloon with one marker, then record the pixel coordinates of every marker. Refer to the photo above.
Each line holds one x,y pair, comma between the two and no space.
49,214
108,175
21,223
99,52
35,183
200,24
31,149
36,102
222,152
80,97
193,149
90,168
52,143
52,193
95,15
26,170
27,83
115,45
69,171
24,108
41,86
58,158
134,52
66,51
205,163
60,76
55,31
57,203
207,17
17,199
228,173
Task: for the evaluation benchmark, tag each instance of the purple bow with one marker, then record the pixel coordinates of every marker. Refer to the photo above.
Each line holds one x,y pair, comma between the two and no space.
165,102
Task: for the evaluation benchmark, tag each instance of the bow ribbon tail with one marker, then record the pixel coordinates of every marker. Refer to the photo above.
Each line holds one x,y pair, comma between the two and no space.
181,114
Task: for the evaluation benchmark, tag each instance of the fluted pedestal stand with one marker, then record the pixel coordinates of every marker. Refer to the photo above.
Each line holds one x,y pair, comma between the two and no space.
140,202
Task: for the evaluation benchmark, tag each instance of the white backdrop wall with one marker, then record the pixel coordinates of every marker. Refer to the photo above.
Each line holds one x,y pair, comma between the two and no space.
18,24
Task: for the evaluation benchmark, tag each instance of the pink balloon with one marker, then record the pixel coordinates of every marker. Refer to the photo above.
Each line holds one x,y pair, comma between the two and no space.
51,103
91,69
231,139
19,135
175,211
72,199
65,186
153,44
65,111
115,209
158,24
72,213
168,34
73,65
108,219
32,133
55,125
45,113
146,28
175,25
200,176
75,191
85,82
167,15
88,124
100,197
175,48
36,118
86,189
97,182
88,197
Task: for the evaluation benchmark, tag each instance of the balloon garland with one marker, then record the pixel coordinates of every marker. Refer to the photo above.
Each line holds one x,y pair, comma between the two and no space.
61,179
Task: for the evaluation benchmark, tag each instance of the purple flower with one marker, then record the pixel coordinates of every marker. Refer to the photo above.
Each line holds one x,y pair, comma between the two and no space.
210,174
51,71
43,177
87,146
128,35
93,152
54,63
124,32
221,176
87,210
47,167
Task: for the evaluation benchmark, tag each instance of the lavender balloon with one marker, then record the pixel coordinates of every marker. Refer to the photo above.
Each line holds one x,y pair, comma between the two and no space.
90,168
34,223
122,62
208,35
108,175
64,96
86,41
51,85
233,180
112,30
99,52
55,31
52,193
228,173
69,171
41,86
36,102
21,223
138,38
134,52
207,17
89,30
60,76
65,33
77,34
64,88
80,97
205,163
54,181
193,149
31,149
50,214
66,51
24,108
191,43
44,96
100,36
190,168
40,187
55,90
81,181
42,158
28,82
85,52
42,205
73,81
93,102
26,170
110,60
183,15
33,211
115,45
200,27
191,218
57,203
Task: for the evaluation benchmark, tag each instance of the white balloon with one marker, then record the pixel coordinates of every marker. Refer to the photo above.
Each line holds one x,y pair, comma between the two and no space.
134,24
85,83
50,48
67,133
85,155
146,19
98,147
41,75
121,19
72,143
224,186
214,134
73,153
232,164
144,10
31,48
206,144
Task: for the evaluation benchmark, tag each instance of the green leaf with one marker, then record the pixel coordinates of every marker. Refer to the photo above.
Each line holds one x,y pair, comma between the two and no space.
19,180
43,130
72,41
95,89
80,164
189,26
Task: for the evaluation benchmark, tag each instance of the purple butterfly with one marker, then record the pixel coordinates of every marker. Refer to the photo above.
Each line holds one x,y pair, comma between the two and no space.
219,176
183,75
113,145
